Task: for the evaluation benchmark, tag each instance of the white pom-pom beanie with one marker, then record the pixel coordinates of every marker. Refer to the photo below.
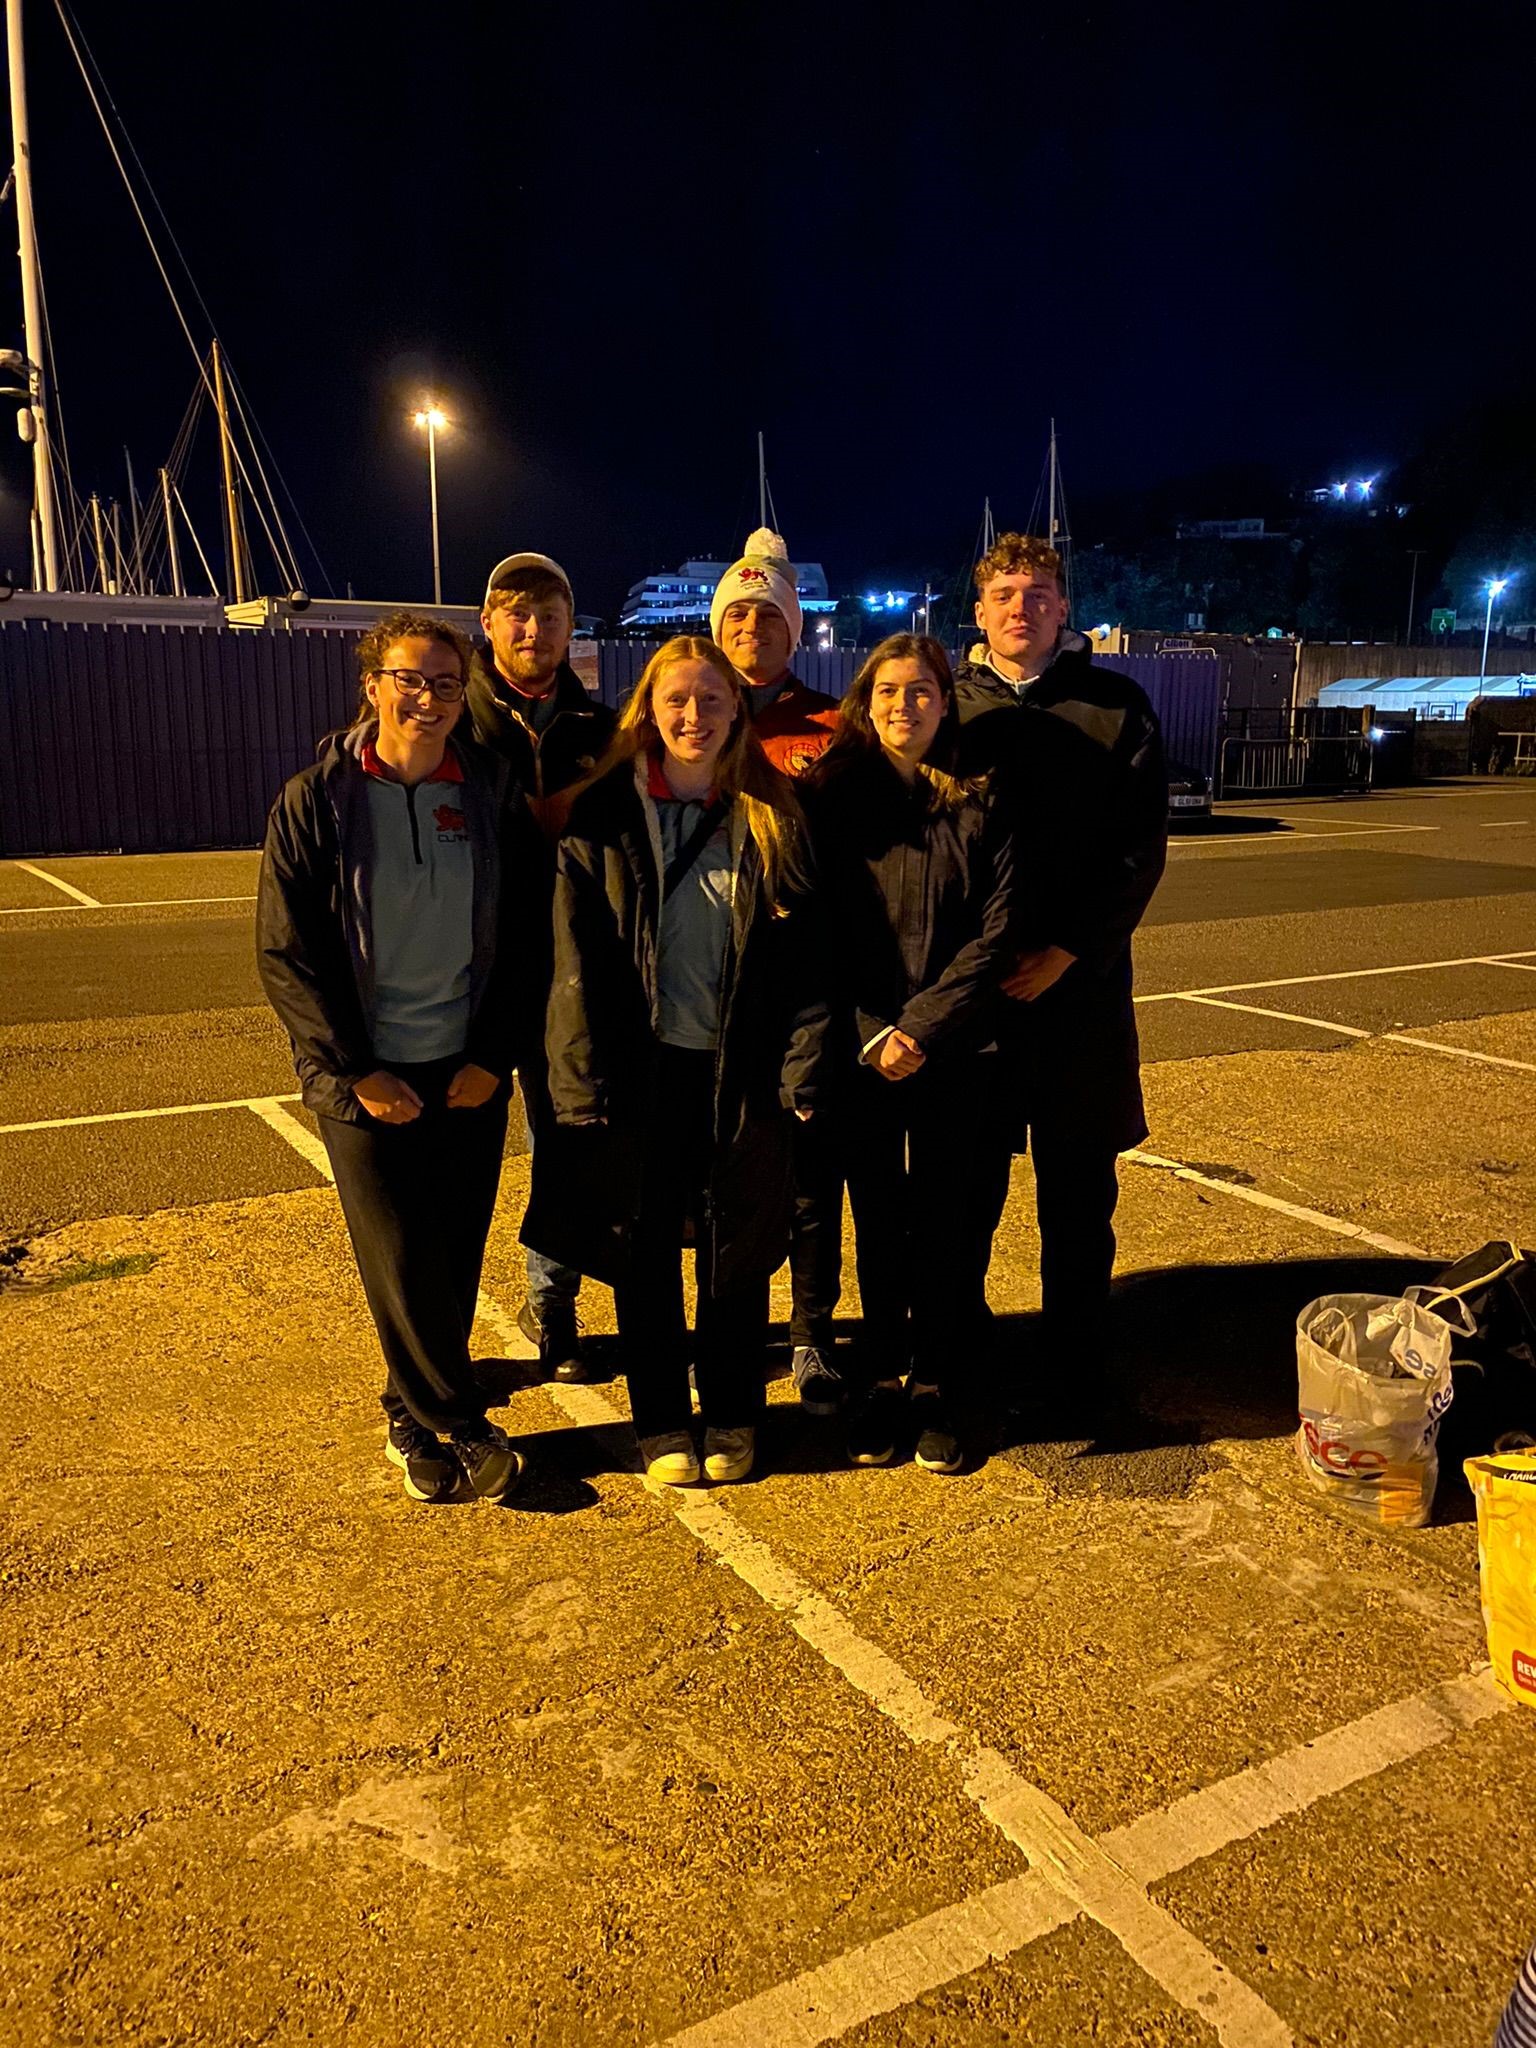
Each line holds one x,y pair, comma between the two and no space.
764,572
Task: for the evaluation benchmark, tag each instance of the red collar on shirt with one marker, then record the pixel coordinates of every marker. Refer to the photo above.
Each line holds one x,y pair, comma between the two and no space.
449,769
658,786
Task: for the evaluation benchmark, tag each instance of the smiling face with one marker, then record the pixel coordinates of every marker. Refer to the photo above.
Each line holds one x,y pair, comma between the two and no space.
694,709
529,637
755,639
1022,612
414,720
906,706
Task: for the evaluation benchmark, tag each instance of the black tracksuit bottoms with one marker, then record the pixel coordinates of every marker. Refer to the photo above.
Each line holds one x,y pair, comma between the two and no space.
816,1249
927,1161
1076,1189
731,1329
418,1200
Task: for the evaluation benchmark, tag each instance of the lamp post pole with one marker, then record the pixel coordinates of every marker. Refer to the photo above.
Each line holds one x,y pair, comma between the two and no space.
1495,585
432,417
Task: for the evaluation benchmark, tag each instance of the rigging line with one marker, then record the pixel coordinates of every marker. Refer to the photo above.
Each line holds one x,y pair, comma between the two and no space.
291,567
67,24
253,428
182,507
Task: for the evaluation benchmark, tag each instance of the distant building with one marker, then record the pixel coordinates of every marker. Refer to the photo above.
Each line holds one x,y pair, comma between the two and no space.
677,601
1225,529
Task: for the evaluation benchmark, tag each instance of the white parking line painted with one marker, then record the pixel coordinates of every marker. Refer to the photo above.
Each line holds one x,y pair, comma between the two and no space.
272,1113
1455,1052
883,1975
130,1116
1069,1873
90,903
1250,841
1520,966
69,888
1318,1218
1504,824
1281,1016
1237,988
1459,1052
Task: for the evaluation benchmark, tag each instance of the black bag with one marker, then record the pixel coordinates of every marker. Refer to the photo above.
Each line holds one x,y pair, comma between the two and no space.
1494,1370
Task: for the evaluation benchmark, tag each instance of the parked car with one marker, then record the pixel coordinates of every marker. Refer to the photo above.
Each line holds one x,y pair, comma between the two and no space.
1189,793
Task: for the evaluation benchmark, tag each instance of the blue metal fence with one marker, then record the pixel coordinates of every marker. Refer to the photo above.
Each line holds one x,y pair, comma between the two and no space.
161,738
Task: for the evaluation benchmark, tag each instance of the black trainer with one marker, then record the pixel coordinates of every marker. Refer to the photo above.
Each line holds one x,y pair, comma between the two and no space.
490,1464
938,1448
558,1336
876,1421
817,1380
432,1472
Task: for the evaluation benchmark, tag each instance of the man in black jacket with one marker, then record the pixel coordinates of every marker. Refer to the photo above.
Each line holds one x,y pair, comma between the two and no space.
528,704
1055,729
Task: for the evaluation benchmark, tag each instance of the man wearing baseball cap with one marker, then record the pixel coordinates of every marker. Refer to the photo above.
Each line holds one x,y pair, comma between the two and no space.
528,704
755,619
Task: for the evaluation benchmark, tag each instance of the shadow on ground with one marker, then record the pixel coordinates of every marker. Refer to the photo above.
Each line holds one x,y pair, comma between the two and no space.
1205,1354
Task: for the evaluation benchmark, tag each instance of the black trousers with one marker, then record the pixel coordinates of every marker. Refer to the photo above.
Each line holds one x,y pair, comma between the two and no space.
1076,1190
731,1329
927,1161
418,1200
816,1248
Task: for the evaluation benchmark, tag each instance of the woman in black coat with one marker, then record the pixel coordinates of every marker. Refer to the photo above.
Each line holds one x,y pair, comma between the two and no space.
919,870
682,1035
398,937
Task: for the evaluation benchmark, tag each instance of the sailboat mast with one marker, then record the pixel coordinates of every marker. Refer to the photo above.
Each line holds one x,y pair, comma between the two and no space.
231,504
1050,530
35,413
170,534
988,530
762,482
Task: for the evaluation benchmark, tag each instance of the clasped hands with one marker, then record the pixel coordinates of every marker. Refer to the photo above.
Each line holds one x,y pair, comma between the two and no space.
389,1100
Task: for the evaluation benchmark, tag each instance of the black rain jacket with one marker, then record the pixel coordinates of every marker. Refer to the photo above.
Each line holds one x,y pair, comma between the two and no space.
920,895
601,1046
314,948
543,765
1082,750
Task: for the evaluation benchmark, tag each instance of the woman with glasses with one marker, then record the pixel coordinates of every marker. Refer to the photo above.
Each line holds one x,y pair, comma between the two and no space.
398,920
680,1040
919,873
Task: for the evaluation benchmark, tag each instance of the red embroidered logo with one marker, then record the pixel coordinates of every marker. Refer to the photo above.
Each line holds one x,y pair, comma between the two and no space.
751,577
450,822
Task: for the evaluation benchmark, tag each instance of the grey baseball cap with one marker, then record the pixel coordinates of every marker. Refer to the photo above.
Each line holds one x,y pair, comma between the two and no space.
503,570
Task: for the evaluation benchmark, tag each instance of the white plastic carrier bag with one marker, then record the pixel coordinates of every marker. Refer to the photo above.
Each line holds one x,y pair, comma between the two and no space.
1374,1375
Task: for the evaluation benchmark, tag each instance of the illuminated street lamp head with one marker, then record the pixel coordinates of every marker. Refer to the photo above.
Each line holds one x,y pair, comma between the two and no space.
432,417
1498,583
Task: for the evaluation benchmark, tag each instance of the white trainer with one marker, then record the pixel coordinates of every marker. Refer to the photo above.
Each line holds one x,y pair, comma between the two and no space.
670,1460
728,1454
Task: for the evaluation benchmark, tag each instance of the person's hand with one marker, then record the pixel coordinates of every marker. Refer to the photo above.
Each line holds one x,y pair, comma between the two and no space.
470,1087
897,1056
387,1099
1033,973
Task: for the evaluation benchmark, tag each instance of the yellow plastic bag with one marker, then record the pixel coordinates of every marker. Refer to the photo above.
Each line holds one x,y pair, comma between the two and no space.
1504,1485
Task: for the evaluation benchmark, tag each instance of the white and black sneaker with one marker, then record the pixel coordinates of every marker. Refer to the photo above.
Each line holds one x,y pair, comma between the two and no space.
938,1448
490,1464
817,1380
432,1472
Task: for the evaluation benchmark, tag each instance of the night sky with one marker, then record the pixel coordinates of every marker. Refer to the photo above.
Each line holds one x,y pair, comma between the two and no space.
616,242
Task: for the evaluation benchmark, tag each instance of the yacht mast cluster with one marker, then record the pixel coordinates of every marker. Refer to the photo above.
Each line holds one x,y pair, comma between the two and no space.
78,543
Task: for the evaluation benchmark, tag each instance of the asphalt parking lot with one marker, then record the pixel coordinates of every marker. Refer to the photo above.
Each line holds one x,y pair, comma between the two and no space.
1146,1747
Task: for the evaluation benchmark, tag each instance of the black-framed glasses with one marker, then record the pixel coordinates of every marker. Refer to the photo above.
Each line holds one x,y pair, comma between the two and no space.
446,689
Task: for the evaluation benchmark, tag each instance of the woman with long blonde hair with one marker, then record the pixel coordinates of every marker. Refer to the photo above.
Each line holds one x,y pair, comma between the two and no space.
684,1030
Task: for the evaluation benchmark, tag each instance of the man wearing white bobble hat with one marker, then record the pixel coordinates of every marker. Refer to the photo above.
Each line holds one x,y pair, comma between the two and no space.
755,619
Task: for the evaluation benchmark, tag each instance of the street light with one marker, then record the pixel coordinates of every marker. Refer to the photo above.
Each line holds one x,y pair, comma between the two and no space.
1495,585
434,420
